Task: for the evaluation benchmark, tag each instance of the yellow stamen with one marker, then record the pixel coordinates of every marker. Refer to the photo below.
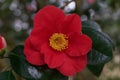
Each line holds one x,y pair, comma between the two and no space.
58,41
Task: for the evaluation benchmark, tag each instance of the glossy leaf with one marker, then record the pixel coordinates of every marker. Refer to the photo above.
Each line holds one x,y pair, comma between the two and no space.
101,46
101,51
7,75
96,58
20,65
96,26
96,69
91,24
30,72
51,74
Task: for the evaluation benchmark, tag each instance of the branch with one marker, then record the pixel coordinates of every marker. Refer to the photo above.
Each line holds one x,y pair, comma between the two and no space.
67,3
79,4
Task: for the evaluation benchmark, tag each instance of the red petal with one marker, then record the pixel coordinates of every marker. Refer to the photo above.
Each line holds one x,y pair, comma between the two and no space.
45,24
71,23
39,37
1,43
79,45
52,58
33,56
73,65
49,17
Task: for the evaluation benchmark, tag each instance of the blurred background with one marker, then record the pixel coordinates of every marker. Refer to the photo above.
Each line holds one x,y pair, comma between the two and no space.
16,22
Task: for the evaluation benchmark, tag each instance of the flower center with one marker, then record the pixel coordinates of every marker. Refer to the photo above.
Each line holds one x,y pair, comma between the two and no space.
58,41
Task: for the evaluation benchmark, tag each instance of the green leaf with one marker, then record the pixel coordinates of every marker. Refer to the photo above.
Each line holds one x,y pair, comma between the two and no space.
30,72
96,58
101,51
91,24
21,66
96,69
52,74
101,46
96,26
7,75
2,53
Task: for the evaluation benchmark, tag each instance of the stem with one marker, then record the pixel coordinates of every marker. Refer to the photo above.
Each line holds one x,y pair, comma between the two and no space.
79,4
70,78
4,57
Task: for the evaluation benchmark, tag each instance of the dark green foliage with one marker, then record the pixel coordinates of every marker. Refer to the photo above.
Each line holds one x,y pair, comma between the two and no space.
102,47
7,75
96,69
30,72
106,13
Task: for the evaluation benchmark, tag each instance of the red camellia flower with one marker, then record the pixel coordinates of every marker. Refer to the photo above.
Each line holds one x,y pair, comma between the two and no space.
57,40
2,42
